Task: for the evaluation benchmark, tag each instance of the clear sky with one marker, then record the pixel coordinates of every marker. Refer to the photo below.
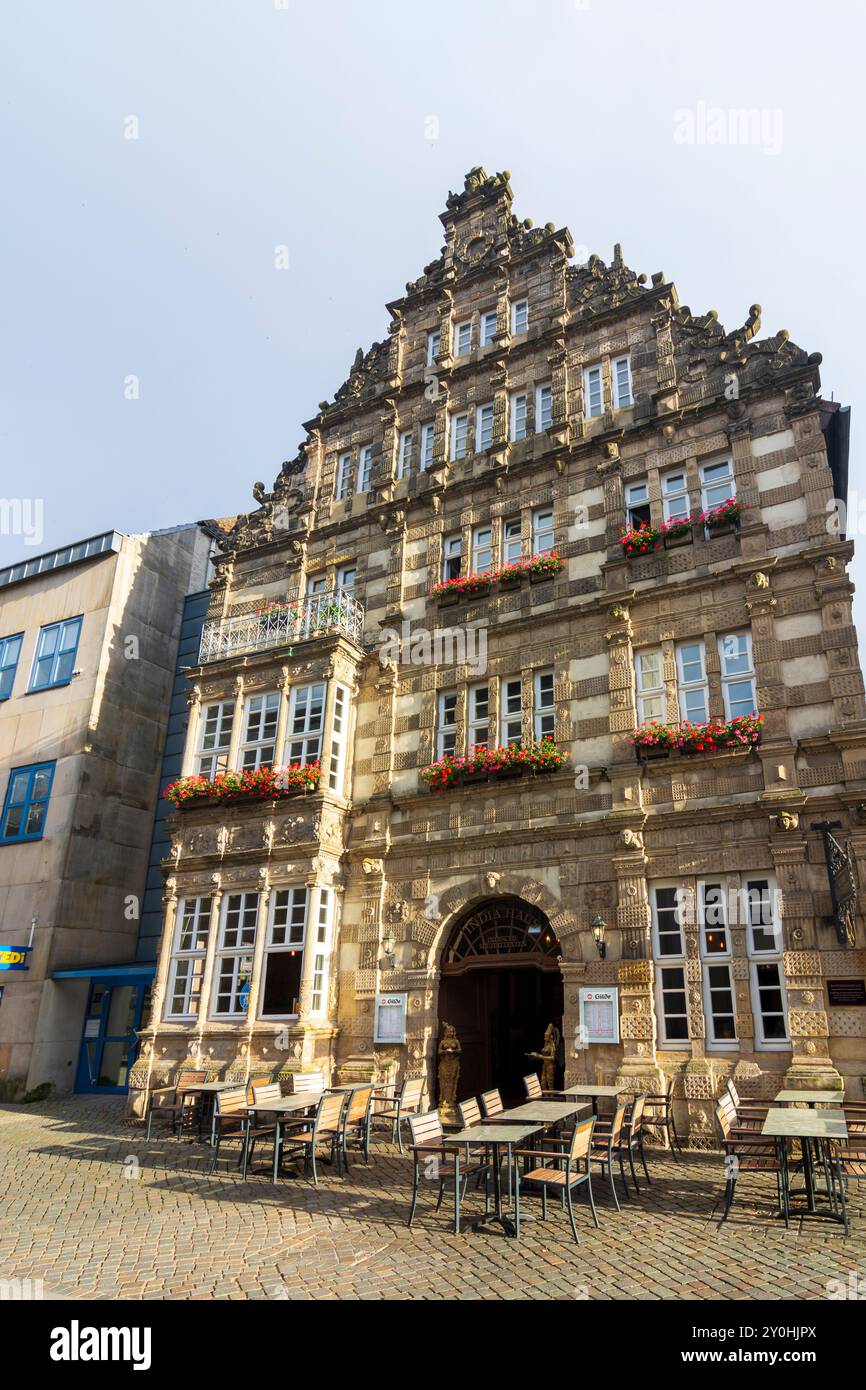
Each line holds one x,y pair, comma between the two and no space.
335,130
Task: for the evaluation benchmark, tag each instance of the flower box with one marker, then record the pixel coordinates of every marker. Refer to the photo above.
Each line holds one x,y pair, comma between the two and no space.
250,785
720,520
715,736
722,528
513,760
681,536
510,581
540,577
448,597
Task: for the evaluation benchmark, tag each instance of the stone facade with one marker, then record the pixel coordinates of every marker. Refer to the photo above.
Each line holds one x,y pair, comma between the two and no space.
601,834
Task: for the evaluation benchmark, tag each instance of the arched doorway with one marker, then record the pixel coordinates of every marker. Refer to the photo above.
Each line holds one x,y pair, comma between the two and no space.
500,987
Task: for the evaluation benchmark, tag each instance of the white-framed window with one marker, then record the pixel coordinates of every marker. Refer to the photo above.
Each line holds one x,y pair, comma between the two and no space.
339,728
672,1005
675,496
324,916
511,540
346,578
544,712
649,677
769,1005
484,427
188,957
459,431
479,716
344,474
233,965
763,927
511,711
462,340
452,557
637,504
620,373
738,674
260,730
482,549
306,721
666,902
434,346
593,391
446,732
488,325
214,737
720,1009
404,455
519,316
284,953
365,467
715,941
692,682
543,535
517,416
316,584
543,407
717,483
428,435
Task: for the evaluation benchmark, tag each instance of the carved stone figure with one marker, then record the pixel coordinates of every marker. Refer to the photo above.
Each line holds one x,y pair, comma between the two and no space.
548,1056
449,1072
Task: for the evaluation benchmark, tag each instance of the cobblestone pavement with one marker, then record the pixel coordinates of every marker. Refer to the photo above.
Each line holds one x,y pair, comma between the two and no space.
94,1210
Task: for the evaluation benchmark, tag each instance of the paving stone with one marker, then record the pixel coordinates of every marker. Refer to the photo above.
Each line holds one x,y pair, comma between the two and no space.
71,1218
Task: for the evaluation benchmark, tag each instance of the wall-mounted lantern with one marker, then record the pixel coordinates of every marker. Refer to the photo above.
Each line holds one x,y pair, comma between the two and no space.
599,927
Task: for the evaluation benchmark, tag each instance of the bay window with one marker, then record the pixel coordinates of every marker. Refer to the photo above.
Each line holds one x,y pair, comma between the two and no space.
188,957
260,730
284,953
215,734
233,966
306,721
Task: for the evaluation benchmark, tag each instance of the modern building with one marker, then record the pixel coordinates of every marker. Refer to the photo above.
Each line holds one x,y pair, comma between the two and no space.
443,568
88,642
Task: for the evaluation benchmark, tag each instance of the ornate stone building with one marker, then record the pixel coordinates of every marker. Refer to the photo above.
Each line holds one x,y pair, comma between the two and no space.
521,403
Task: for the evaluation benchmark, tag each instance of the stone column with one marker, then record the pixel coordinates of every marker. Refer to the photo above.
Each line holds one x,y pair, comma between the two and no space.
193,724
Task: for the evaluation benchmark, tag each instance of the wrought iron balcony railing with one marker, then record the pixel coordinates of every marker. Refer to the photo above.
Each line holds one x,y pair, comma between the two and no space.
320,615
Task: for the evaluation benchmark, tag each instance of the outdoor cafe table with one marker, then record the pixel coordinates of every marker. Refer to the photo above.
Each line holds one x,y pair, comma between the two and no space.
810,1097
495,1137
548,1112
594,1093
805,1125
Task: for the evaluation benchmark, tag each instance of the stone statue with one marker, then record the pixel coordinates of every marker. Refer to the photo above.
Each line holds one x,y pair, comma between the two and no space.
449,1072
548,1057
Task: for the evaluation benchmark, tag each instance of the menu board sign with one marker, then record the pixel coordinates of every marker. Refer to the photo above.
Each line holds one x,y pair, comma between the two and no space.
599,1014
390,1023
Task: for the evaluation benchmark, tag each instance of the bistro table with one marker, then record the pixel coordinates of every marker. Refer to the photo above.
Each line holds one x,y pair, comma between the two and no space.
805,1125
594,1093
811,1098
495,1137
548,1112
207,1090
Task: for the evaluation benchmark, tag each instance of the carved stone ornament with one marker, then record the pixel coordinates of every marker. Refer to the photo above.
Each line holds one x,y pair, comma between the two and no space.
787,820
492,882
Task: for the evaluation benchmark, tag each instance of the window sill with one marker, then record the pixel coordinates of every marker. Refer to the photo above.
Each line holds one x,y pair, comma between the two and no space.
22,840
41,689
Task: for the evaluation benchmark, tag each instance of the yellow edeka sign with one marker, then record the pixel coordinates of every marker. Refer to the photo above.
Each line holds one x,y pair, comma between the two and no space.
14,957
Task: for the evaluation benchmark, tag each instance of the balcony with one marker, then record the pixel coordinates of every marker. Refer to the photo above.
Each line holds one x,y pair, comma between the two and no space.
321,615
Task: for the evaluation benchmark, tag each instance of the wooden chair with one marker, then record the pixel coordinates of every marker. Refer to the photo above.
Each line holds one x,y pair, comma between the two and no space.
470,1112
532,1087
630,1141
356,1122
562,1172
253,1082
659,1114
233,1124
750,1114
399,1105
748,1152
606,1144
263,1092
848,1156
300,1139
173,1101
430,1147
303,1082
491,1104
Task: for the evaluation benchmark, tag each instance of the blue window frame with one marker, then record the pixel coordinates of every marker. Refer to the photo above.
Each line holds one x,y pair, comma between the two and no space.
10,650
55,654
26,804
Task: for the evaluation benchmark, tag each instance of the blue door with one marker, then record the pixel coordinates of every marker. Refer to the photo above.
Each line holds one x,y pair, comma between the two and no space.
110,1039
